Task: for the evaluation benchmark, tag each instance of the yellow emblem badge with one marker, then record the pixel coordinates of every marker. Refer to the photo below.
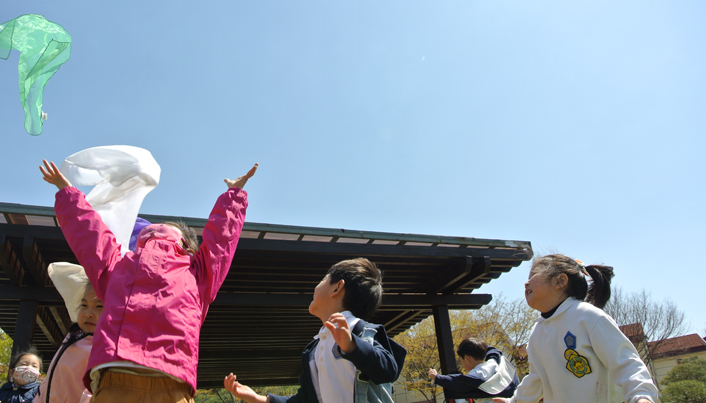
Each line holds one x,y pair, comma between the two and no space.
577,364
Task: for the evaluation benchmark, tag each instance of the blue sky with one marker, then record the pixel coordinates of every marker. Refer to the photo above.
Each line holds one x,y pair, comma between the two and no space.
576,125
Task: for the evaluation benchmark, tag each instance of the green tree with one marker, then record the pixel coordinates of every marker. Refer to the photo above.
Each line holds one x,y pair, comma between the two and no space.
684,392
221,395
5,353
691,369
686,382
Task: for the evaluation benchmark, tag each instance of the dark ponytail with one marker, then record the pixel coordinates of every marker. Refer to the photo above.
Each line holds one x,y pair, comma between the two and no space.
599,291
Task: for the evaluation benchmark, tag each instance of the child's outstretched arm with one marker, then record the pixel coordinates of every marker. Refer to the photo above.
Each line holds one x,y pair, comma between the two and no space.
90,239
240,181
243,392
220,237
53,175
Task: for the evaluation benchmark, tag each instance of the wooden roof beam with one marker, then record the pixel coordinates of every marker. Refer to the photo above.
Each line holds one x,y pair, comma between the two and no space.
405,301
9,261
451,275
34,261
477,268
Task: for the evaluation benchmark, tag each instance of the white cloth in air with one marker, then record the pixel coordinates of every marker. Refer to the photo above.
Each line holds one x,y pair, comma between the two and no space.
122,176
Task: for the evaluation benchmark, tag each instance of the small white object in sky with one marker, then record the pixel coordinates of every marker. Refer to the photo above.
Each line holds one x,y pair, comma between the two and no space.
423,59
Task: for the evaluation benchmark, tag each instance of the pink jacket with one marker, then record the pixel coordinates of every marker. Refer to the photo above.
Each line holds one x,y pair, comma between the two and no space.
67,381
155,299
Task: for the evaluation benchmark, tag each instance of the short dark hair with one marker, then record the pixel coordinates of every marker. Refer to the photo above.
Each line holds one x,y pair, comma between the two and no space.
363,285
188,233
31,350
471,346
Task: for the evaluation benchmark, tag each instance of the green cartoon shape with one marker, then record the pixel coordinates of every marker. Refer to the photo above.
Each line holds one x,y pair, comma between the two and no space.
44,46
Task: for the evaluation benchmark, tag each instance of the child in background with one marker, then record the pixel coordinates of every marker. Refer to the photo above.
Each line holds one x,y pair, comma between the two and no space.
350,360
64,380
489,373
25,369
145,348
576,351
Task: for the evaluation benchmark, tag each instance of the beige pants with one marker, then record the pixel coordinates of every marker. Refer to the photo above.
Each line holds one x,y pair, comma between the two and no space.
117,387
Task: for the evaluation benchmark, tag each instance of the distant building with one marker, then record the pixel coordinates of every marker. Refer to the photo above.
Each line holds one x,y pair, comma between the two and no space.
672,352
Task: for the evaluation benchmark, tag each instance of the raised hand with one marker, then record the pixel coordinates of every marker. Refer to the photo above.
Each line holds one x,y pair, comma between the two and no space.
243,392
241,180
338,326
432,373
53,175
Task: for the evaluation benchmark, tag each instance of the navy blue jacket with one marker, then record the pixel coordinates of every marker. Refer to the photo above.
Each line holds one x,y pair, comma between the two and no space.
23,394
460,386
380,362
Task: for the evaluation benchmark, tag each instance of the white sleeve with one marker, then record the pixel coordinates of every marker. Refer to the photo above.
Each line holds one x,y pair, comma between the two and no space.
625,367
530,389
484,371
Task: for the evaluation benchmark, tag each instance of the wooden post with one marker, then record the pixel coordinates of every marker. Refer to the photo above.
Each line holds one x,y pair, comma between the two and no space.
24,327
444,339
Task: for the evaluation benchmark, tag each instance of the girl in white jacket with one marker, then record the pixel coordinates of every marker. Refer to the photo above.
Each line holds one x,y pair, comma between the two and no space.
576,351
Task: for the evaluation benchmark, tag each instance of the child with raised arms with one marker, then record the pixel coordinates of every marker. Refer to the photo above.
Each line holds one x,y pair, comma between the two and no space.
349,360
576,351
145,348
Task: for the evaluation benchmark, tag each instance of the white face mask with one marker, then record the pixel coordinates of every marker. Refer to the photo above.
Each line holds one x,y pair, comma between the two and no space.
25,374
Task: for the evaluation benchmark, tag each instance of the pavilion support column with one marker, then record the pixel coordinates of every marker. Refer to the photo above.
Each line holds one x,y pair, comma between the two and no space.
444,339
24,327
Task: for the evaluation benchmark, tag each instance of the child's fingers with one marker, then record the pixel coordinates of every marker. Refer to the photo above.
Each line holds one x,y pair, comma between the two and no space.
252,170
229,382
330,326
338,319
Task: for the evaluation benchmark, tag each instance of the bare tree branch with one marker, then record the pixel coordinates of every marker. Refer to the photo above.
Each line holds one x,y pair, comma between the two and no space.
659,320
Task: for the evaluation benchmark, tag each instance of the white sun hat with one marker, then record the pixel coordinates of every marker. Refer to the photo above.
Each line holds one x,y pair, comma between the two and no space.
70,280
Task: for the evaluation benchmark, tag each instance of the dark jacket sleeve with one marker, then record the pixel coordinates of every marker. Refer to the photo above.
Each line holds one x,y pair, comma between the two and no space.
301,397
458,382
306,392
381,361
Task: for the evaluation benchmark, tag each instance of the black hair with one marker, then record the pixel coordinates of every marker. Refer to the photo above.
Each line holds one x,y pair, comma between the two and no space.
363,285
191,240
31,350
473,347
598,293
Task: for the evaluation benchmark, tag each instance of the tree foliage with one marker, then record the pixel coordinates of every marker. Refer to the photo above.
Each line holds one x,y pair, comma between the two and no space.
686,382
502,324
660,320
221,395
5,353
691,369
684,392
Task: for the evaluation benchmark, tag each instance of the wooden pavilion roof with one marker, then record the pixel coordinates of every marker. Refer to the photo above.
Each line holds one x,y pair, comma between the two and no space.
259,323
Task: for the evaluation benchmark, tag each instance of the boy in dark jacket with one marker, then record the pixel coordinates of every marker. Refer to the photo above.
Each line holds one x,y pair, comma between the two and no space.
350,360
489,373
